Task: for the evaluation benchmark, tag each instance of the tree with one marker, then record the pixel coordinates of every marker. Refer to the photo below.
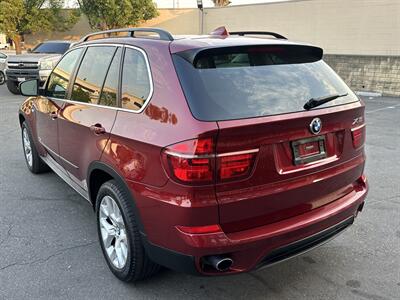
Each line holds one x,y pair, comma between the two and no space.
19,17
221,2
110,14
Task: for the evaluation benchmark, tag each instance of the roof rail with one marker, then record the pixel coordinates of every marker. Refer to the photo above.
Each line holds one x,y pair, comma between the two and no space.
243,33
164,35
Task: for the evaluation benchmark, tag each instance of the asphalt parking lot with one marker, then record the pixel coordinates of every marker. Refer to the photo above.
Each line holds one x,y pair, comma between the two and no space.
49,247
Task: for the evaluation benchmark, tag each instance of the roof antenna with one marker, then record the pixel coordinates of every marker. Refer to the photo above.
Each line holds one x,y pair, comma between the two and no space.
220,31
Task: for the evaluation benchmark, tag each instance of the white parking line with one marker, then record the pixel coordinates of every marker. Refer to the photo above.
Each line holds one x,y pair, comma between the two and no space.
383,108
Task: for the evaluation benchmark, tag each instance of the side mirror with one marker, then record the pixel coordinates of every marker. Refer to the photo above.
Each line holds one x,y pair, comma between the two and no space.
29,50
29,87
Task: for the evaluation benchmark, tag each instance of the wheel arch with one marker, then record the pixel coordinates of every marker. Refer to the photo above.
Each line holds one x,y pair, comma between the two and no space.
159,255
21,118
99,173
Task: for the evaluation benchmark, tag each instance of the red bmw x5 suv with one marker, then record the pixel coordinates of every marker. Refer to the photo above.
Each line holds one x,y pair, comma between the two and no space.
210,155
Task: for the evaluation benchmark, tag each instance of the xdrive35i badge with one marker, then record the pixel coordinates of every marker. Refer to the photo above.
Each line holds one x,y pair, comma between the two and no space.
316,125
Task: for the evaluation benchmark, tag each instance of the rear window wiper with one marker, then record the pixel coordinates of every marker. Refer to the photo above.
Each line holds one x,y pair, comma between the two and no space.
314,102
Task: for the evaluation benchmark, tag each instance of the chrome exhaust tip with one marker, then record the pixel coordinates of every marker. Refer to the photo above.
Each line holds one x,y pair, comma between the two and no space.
218,262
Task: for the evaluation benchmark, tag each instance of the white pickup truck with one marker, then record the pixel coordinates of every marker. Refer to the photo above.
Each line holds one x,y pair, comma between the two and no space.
36,64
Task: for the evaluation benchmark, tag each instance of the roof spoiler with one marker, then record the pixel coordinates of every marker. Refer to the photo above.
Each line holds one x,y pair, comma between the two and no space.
286,53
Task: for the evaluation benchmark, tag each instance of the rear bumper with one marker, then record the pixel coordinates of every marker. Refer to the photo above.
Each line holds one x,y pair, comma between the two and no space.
265,245
306,244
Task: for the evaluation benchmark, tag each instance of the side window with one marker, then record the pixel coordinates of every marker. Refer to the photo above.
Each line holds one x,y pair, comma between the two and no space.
58,81
135,80
109,93
91,74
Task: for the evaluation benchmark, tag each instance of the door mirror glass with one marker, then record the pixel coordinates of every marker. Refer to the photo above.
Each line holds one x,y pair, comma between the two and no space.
29,88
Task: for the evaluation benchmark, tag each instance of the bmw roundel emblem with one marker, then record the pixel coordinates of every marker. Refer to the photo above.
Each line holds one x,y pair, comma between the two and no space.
316,125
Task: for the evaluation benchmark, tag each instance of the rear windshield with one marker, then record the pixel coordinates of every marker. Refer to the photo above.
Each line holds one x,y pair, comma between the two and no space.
51,47
236,83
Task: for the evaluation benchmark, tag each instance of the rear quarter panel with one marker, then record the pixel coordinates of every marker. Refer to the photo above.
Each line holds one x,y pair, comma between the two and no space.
136,140
134,151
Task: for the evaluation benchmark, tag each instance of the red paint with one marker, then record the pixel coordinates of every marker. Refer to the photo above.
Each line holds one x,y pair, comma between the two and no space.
248,204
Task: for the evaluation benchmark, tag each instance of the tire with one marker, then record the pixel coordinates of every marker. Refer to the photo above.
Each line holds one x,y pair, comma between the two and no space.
13,87
33,161
134,264
2,78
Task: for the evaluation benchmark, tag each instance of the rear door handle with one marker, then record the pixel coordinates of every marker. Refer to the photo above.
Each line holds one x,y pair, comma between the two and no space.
97,129
54,115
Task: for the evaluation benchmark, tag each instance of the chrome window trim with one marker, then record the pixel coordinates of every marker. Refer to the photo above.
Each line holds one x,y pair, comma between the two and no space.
150,95
146,102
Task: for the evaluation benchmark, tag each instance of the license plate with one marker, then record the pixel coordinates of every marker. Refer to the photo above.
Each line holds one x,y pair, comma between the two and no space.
308,150
21,79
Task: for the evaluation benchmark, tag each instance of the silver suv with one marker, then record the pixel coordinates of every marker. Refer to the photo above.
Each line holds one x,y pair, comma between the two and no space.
36,64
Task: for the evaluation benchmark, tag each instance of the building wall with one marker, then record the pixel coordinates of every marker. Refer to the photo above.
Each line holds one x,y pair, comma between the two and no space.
379,74
3,38
177,21
359,27
77,31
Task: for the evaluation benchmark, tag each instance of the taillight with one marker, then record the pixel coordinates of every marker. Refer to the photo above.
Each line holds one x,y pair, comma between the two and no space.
191,161
358,136
235,166
194,162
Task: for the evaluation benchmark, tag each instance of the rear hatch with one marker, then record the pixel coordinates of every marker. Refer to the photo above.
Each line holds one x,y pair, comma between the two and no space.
298,159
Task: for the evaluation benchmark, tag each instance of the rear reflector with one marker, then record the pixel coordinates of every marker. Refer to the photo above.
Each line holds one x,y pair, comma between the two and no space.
362,180
194,161
358,136
200,229
360,183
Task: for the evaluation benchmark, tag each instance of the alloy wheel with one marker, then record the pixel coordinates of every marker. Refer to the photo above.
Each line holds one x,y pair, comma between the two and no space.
27,147
113,232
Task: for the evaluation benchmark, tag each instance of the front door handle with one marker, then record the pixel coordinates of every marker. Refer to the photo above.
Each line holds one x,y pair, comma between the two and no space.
97,129
54,115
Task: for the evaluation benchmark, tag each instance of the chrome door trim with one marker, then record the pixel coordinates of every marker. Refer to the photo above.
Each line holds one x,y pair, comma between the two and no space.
58,155
64,176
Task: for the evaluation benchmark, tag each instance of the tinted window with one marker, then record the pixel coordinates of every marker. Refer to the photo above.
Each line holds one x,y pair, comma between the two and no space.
110,89
60,48
91,74
58,81
254,82
135,80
